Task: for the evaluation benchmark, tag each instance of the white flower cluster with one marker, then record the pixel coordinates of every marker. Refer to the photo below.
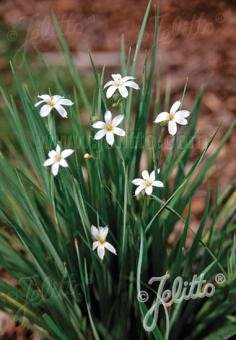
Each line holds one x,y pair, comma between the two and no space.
108,129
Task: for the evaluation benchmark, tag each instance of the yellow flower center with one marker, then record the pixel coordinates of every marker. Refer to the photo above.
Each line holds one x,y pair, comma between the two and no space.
109,127
148,183
57,158
171,116
102,240
52,102
118,82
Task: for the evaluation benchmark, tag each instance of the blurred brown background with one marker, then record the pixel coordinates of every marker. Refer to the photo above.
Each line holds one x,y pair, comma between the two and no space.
197,41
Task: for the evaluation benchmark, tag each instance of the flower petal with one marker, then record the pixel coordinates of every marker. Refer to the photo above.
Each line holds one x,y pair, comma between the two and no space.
95,232
101,251
180,117
52,153
138,181
99,125
103,231
55,168
109,83
181,121
48,162
116,76
110,138
67,152
158,184
110,247
108,117
139,189
125,79
162,117
100,134
175,106
63,163
66,102
56,98
58,149
132,84
110,91
117,120
45,110
38,103
145,175
119,132
152,175
45,97
172,127
95,245
123,91
149,190
60,109
183,113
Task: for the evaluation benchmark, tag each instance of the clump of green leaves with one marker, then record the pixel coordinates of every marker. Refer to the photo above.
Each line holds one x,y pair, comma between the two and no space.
62,288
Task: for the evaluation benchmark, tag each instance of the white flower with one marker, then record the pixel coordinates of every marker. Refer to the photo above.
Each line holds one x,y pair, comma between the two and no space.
120,84
57,159
109,127
100,243
53,102
173,117
147,182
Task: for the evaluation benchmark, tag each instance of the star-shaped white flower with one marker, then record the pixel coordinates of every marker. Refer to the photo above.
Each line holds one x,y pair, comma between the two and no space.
173,117
147,183
57,159
109,128
53,102
120,84
99,234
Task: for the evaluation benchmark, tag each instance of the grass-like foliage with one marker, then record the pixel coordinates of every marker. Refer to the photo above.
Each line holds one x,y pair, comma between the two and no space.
63,289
